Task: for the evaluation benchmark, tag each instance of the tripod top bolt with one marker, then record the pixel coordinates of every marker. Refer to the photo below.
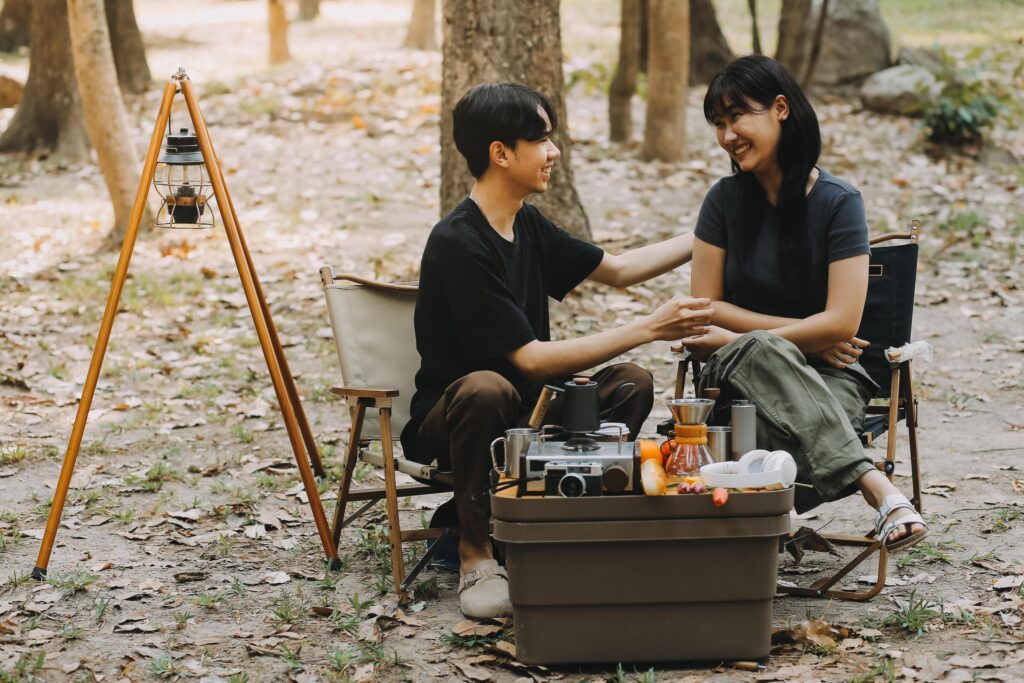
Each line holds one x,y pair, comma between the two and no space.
180,74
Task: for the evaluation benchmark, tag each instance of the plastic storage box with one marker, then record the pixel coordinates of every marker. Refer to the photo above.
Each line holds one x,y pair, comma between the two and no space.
642,579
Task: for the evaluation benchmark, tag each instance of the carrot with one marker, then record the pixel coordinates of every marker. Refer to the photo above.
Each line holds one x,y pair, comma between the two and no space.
720,496
652,476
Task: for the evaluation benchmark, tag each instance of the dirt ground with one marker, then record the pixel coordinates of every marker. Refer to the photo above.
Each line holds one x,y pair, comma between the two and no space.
185,549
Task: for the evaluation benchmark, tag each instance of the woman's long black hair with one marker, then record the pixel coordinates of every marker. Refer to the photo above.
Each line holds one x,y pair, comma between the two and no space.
751,84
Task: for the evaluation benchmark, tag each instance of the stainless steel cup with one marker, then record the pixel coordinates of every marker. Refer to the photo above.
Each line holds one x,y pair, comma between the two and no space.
516,442
719,443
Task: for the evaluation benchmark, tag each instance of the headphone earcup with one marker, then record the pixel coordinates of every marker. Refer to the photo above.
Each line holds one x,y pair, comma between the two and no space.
783,463
754,460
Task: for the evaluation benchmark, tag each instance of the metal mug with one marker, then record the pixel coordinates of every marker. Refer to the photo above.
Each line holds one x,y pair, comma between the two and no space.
719,439
517,441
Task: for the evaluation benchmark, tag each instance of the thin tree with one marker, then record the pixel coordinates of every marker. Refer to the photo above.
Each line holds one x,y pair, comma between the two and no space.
496,40
129,52
819,32
15,24
754,30
421,34
105,115
620,94
309,10
277,24
709,50
668,56
49,119
793,50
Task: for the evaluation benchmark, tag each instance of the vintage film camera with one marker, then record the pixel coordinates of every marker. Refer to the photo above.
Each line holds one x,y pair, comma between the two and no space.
605,467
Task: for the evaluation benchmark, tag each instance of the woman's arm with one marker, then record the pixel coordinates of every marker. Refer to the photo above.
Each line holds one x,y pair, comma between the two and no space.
847,290
707,281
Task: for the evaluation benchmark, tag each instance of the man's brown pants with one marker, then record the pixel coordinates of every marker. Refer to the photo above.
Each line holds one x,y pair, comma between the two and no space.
478,408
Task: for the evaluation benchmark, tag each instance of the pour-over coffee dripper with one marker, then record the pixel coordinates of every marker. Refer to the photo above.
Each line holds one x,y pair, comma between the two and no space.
690,411
691,436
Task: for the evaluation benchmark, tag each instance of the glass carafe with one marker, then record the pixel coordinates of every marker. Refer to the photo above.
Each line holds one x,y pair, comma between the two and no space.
691,451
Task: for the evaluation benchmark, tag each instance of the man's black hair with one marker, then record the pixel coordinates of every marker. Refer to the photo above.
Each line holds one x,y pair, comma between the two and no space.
505,112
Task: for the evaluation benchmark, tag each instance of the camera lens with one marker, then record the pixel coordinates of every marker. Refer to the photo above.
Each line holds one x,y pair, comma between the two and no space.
572,486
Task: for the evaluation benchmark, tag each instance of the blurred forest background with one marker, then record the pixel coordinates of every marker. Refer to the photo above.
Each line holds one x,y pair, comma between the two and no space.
186,550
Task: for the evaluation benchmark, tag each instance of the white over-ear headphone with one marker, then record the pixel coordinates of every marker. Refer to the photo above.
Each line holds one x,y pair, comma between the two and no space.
760,460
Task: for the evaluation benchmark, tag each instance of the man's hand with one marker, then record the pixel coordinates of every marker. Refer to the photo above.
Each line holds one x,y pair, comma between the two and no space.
844,353
703,345
682,316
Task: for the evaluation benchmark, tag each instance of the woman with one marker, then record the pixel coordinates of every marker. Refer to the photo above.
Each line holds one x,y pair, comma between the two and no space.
781,250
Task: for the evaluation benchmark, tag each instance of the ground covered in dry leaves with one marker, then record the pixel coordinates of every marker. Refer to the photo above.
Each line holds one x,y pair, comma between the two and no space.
186,550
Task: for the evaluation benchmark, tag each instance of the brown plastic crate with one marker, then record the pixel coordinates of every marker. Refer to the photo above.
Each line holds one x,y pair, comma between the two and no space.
638,579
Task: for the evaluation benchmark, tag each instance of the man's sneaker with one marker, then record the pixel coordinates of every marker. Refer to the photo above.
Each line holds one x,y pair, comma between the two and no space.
483,592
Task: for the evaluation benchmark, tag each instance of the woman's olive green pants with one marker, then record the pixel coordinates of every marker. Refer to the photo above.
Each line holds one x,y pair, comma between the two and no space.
815,413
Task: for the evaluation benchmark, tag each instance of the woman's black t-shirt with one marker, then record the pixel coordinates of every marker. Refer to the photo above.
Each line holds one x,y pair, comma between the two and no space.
482,297
837,230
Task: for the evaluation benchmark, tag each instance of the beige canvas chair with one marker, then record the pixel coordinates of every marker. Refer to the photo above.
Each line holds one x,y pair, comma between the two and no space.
373,331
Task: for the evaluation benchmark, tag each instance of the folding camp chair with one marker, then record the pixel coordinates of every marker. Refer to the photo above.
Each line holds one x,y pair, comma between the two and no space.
373,331
886,322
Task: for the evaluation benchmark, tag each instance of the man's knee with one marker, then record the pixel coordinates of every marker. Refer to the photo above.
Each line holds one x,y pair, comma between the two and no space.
631,372
484,390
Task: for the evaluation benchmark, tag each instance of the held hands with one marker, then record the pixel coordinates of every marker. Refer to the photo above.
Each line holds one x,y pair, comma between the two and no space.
844,353
682,316
703,345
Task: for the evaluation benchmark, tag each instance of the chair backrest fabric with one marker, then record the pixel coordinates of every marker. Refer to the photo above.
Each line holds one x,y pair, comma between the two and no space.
889,308
376,342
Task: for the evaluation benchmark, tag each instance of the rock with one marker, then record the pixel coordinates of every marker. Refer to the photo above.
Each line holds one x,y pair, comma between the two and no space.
10,92
922,56
855,43
905,90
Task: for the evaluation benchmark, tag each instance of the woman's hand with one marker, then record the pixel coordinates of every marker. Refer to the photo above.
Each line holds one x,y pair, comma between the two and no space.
682,316
844,353
702,346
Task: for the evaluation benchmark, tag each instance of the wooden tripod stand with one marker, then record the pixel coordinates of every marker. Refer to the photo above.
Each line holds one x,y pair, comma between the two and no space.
301,437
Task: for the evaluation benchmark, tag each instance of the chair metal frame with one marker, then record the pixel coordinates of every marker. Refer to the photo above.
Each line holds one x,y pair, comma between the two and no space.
901,405
431,480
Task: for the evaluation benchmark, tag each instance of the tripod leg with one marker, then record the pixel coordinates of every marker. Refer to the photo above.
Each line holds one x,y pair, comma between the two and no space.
289,380
103,338
260,323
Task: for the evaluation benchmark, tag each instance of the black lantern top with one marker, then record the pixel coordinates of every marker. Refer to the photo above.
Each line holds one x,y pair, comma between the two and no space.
182,148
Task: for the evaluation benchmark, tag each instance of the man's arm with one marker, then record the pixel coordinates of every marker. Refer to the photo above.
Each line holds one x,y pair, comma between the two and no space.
675,319
641,264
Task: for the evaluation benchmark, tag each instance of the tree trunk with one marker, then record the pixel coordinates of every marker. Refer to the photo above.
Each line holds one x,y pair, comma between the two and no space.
794,26
669,56
495,40
129,52
815,52
620,94
709,50
422,31
49,118
277,23
105,115
15,24
755,32
309,10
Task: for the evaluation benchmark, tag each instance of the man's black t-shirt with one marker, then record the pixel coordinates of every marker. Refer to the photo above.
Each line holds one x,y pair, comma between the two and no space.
482,296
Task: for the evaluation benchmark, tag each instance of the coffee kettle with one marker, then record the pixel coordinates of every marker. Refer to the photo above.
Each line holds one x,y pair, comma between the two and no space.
581,414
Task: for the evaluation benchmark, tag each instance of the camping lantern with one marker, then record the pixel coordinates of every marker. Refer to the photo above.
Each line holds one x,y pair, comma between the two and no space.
181,180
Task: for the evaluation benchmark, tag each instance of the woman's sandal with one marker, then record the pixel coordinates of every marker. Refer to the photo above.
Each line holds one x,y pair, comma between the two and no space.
890,503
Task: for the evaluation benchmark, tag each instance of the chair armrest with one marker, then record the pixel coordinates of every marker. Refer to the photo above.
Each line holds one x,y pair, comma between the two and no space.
364,392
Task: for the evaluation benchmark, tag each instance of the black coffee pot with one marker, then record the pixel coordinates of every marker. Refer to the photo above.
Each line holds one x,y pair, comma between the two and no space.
581,414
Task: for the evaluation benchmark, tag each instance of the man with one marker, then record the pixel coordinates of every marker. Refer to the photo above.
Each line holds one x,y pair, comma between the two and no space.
482,316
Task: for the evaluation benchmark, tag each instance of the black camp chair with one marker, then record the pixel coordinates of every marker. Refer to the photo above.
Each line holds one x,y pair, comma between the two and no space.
886,322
